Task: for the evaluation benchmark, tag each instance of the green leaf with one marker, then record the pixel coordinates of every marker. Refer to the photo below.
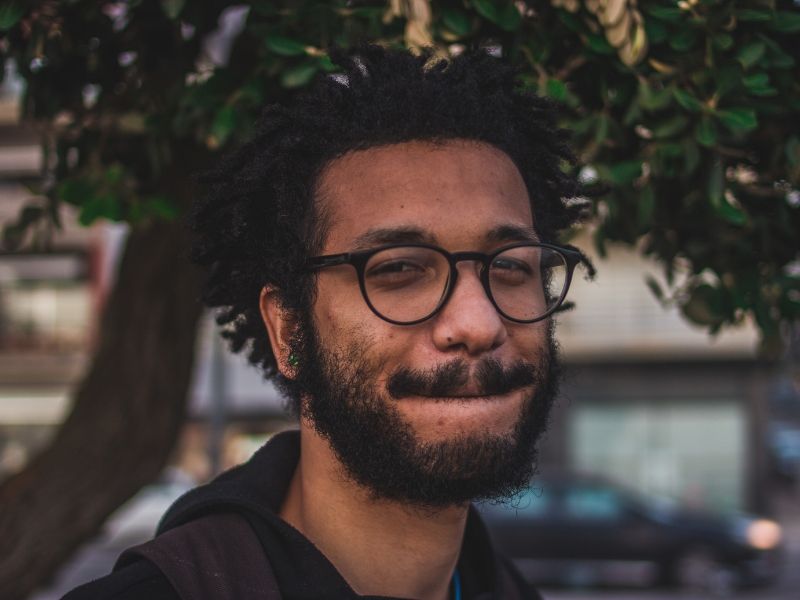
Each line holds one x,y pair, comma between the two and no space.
571,21
266,8
738,119
299,75
12,236
786,22
506,16
326,64
656,31
172,8
603,125
750,15
10,14
756,80
780,60
792,151
161,207
105,206
704,305
557,89
29,216
509,17
456,21
651,99
665,13
691,156
683,40
599,240
584,125
224,124
730,213
687,101
706,132
671,127
623,173
114,174
775,56
716,194
758,84
646,209
751,53
655,287
723,41
284,46
486,9
74,191
599,44
716,183
727,79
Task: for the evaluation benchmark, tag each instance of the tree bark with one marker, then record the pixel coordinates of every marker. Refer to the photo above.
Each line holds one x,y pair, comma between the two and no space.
125,418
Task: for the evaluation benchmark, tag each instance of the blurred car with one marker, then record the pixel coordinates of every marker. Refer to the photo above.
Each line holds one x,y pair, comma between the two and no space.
783,450
580,521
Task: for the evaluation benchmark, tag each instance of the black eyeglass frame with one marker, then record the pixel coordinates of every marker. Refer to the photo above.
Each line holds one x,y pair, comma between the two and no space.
360,259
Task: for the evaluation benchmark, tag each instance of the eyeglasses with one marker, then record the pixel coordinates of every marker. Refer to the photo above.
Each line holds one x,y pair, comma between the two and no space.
409,283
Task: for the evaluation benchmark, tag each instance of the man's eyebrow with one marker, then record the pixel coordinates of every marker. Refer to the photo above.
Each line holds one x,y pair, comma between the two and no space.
512,233
392,235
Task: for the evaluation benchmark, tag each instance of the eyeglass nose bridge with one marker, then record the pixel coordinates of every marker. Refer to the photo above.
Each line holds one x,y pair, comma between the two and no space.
483,276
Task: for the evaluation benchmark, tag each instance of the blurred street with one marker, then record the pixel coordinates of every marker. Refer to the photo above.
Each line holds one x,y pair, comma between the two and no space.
786,588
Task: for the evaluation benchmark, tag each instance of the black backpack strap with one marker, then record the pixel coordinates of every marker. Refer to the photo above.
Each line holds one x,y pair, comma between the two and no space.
215,557
511,583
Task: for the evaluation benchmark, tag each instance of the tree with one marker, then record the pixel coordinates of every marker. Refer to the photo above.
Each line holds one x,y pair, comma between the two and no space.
686,111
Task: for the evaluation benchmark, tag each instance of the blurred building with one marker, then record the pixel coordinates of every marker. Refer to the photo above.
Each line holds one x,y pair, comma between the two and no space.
45,302
653,402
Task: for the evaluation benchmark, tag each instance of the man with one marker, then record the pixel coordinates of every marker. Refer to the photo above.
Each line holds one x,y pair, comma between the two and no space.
385,251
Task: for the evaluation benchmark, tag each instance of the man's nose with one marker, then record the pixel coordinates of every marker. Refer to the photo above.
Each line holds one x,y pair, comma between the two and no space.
468,320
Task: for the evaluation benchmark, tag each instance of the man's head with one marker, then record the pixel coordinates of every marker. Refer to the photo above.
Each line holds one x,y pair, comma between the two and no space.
438,411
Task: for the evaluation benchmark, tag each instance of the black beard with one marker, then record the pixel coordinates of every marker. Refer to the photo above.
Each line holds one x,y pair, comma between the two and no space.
379,449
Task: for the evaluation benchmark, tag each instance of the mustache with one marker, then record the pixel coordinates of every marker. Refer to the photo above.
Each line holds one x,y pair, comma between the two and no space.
449,379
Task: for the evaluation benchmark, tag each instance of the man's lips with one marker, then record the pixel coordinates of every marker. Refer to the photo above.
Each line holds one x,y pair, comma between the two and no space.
460,380
463,396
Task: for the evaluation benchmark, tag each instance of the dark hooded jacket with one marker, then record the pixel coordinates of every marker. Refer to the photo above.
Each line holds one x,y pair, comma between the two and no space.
255,490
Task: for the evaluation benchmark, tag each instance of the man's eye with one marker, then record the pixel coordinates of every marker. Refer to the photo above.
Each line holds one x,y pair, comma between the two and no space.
396,272
511,265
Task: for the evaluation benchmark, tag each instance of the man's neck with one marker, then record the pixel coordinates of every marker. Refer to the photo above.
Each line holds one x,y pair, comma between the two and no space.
379,547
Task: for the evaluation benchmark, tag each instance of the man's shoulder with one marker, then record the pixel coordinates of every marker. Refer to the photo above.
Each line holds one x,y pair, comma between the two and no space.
141,579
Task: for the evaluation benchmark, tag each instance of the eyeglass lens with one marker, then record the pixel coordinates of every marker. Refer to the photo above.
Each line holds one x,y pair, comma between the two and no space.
407,283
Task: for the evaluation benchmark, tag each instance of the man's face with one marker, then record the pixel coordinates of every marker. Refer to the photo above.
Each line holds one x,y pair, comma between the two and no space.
475,388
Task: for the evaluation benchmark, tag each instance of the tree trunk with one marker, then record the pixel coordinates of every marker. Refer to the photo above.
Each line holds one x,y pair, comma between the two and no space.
125,418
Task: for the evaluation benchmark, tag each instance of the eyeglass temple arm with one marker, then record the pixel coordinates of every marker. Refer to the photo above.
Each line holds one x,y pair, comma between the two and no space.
332,260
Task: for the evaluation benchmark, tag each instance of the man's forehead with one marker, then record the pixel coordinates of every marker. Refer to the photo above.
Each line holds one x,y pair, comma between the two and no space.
420,191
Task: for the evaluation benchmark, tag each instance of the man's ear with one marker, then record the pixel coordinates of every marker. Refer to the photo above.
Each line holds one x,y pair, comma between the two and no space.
281,327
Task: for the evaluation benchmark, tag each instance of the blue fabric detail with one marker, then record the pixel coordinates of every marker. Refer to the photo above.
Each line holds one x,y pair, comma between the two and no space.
456,585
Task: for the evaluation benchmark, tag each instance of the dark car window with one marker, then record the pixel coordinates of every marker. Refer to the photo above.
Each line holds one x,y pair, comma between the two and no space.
592,503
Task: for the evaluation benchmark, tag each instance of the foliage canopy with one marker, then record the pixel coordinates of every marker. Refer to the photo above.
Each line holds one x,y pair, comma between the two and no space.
686,110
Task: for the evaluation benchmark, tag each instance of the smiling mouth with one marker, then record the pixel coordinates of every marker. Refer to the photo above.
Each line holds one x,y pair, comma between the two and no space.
465,397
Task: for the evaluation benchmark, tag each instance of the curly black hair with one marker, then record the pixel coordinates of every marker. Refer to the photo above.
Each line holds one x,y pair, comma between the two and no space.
258,223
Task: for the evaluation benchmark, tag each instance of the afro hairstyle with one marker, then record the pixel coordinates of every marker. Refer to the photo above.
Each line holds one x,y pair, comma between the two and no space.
258,224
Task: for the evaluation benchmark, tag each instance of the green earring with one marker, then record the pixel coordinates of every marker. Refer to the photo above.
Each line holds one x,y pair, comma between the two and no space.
294,360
